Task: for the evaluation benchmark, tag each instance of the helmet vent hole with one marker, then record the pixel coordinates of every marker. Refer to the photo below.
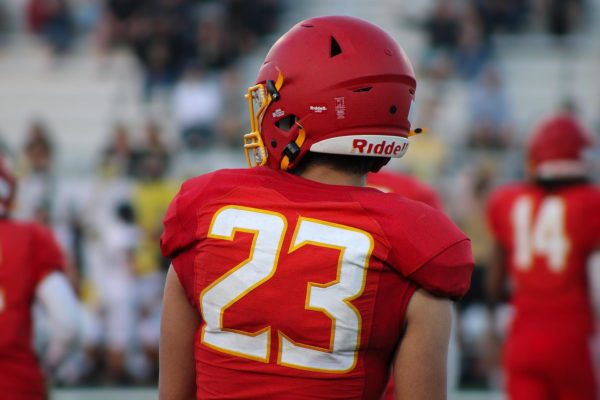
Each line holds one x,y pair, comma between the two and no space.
307,26
363,89
335,49
393,109
286,123
273,143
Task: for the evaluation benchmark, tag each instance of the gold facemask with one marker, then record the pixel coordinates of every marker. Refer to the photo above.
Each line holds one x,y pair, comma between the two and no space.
259,98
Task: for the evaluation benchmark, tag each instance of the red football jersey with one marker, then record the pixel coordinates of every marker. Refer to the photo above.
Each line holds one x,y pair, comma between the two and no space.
404,185
303,286
548,237
28,252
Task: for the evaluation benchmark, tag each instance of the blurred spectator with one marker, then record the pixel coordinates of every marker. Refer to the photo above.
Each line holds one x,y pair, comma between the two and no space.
119,243
38,148
4,24
152,155
564,16
37,183
443,25
52,20
166,35
87,15
458,37
502,15
468,192
232,124
473,52
490,115
119,157
115,27
159,42
442,29
257,17
214,48
197,105
151,197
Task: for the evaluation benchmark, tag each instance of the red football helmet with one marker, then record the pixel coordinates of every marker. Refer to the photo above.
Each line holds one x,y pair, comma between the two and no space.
555,149
337,85
8,185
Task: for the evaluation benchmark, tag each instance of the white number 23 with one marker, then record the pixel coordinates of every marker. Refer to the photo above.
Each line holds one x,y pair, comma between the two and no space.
333,299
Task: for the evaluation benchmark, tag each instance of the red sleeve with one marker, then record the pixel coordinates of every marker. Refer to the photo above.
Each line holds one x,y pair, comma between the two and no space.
428,248
179,231
172,243
180,221
448,274
171,238
47,255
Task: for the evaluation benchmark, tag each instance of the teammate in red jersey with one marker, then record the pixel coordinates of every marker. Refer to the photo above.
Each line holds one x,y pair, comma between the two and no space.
404,185
291,280
546,229
30,270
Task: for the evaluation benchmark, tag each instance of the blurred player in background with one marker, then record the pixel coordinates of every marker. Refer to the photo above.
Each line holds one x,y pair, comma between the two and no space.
30,271
404,185
291,280
546,230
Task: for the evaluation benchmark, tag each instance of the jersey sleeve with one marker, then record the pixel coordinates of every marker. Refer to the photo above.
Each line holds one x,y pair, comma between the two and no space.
47,255
427,248
179,232
447,274
171,238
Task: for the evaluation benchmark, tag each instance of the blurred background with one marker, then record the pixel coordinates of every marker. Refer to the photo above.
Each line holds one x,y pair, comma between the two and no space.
108,105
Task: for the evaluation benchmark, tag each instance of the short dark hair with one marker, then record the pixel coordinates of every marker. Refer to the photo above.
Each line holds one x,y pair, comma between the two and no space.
356,165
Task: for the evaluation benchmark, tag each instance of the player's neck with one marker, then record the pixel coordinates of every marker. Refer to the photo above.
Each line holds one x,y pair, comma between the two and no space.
330,176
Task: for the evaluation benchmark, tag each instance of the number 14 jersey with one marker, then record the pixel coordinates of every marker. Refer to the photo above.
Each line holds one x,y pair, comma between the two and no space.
548,237
303,286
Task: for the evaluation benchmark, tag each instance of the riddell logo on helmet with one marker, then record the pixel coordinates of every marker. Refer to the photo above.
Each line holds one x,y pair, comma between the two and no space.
383,148
318,108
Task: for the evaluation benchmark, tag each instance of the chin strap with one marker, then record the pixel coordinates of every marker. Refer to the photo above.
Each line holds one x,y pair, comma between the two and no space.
292,149
274,90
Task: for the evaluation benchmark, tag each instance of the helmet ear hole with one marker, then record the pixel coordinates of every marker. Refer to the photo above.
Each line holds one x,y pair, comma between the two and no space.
335,48
286,123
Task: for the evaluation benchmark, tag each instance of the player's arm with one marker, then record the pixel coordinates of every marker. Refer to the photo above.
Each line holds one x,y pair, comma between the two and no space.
420,362
179,321
594,278
496,277
57,298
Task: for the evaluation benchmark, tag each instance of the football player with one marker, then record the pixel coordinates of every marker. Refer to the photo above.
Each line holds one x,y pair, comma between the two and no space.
546,229
291,280
30,271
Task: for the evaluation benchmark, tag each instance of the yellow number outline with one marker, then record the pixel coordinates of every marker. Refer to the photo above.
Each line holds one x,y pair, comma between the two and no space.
250,257
293,247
